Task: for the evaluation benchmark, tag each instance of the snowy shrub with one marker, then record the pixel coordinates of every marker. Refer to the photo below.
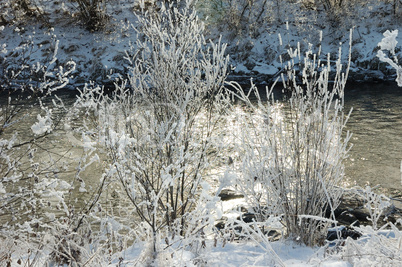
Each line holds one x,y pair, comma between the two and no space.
240,17
344,14
158,126
376,245
93,13
389,43
16,10
336,9
36,180
375,204
26,89
256,233
290,156
374,248
250,18
20,71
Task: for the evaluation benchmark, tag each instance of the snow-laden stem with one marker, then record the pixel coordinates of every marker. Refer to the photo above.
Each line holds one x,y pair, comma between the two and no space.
388,43
160,124
290,156
34,192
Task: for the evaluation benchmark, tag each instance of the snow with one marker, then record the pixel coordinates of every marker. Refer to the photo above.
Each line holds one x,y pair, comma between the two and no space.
389,42
243,253
240,68
265,69
100,56
44,125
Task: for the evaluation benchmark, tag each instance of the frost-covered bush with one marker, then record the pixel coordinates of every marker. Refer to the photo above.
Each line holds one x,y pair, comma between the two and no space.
20,70
375,204
17,10
93,13
240,17
291,155
388,43
343,14
374,248
158,126
250,18
336,10
377,245
36,179
26,87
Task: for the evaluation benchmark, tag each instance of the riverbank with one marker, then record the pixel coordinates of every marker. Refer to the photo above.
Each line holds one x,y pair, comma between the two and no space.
261,54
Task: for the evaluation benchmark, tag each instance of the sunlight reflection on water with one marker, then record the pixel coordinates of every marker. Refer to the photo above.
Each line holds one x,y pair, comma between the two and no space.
376,124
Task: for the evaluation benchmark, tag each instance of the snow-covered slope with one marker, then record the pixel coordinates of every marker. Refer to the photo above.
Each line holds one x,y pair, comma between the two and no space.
100,55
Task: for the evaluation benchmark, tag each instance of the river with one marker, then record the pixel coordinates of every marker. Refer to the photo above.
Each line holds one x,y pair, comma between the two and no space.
375,158
376,124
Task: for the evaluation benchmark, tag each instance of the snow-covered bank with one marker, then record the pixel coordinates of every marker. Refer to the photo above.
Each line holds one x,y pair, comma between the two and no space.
100,55
263,63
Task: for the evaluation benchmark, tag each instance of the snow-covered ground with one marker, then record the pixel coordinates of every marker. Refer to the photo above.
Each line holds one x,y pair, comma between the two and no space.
101,53
241,253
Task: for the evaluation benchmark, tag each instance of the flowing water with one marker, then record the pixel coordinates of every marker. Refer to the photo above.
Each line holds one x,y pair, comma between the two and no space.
375,157
376,124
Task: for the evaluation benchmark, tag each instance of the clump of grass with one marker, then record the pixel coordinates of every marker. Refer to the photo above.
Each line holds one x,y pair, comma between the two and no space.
291,157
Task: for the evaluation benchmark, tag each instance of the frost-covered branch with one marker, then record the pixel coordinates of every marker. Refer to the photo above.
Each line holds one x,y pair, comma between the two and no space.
159,125
290,155
388,43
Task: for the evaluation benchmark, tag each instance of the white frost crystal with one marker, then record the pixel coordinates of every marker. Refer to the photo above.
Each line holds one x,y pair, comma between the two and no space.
389,43
44,125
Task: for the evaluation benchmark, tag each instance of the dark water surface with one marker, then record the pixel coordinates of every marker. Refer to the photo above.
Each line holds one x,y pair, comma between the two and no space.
376,124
